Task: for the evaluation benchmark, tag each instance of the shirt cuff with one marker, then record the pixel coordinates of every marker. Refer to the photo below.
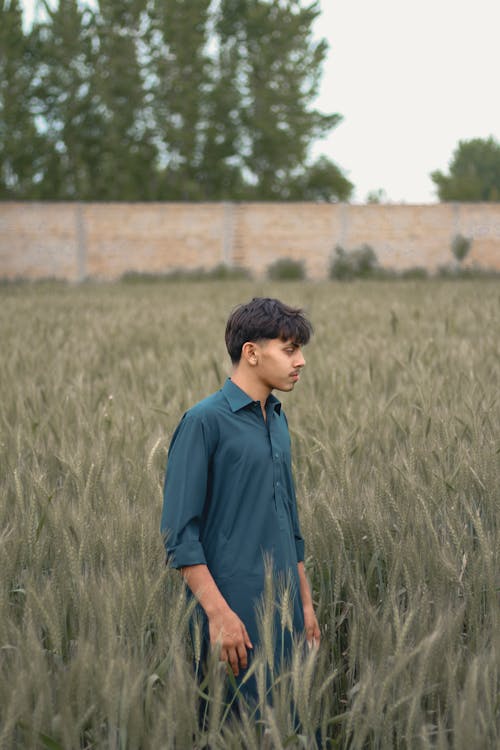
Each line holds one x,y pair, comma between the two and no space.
188,553
299,548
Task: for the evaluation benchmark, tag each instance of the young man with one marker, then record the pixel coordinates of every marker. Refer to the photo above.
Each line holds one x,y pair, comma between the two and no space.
229,499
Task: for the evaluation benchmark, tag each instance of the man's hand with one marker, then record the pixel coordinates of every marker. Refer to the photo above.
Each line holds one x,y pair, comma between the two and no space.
313,634
228,630
225,627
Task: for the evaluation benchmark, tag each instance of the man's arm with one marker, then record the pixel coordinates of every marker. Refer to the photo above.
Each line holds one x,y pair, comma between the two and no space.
313,634
225,626
184,499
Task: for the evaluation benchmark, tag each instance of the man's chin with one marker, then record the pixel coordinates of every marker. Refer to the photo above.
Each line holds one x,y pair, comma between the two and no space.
285,387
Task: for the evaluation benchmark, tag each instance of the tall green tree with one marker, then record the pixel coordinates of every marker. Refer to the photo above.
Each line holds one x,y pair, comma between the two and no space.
237,117
164,99
70,120
91,103
127,153
20,144
282,67
221,170
178,80
474,172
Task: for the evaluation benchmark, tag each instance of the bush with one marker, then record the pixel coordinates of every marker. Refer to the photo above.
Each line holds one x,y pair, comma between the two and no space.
351,264
286,269
222,272
415,272
468,272
460,247
13,281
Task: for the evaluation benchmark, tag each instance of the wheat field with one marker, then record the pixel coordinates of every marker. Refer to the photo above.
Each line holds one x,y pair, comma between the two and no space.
396,439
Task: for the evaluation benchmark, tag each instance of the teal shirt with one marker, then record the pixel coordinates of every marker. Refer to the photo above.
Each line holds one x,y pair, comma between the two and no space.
229,498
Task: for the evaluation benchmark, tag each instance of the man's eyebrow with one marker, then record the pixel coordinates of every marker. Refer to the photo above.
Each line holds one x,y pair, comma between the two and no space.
291,343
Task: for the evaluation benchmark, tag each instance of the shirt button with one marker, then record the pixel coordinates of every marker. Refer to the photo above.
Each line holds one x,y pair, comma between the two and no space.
276,455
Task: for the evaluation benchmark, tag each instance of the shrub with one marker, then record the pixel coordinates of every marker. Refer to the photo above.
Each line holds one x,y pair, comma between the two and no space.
415,272
222,272
133,277
286,269
460,247
13,281
358,263
450,271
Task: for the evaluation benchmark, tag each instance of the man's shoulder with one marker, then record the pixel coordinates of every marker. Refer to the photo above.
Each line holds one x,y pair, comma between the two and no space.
201,419
208,407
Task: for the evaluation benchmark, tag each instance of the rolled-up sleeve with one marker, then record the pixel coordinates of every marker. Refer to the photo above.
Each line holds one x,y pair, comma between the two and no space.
185,492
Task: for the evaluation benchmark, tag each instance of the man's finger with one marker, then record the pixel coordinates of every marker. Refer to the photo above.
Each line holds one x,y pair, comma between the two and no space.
242,655
248,642
311,636
233,660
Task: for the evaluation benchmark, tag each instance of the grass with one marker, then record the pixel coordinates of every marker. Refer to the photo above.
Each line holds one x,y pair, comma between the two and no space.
395,428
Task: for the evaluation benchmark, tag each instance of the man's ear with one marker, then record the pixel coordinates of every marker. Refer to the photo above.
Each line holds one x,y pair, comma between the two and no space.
249,353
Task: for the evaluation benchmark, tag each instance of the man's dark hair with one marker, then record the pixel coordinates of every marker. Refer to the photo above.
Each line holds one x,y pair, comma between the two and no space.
265,318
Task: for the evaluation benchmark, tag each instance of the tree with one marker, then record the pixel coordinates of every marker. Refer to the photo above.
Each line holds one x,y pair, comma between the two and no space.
90,101
128,154
70,121
322,181
178,81
234,115
221,170
376,196
280,74
474,172
164,99
20,144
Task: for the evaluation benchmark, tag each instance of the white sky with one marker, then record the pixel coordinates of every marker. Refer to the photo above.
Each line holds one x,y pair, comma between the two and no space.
411,78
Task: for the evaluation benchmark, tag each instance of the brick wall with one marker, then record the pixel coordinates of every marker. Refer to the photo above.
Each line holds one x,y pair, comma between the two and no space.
104,240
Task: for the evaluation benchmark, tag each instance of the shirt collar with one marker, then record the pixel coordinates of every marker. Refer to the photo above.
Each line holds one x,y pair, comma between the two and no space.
238,399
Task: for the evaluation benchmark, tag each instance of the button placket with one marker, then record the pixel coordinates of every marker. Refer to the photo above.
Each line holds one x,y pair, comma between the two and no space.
279,503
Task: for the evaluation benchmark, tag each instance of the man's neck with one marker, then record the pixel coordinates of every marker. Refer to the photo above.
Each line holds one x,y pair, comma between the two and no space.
253,388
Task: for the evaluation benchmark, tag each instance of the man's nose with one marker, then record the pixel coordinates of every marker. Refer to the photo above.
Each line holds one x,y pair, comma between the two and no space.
299,360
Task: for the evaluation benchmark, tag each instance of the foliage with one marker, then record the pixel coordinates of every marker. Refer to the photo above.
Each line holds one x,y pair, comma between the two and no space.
20,144
322,181
395,441
222,272
286,269
455,272
474,172
280,77
350,264
164,100
414,272
460,247
377,196
178,72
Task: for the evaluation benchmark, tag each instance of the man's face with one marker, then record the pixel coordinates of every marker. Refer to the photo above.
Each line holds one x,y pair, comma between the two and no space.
279,363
